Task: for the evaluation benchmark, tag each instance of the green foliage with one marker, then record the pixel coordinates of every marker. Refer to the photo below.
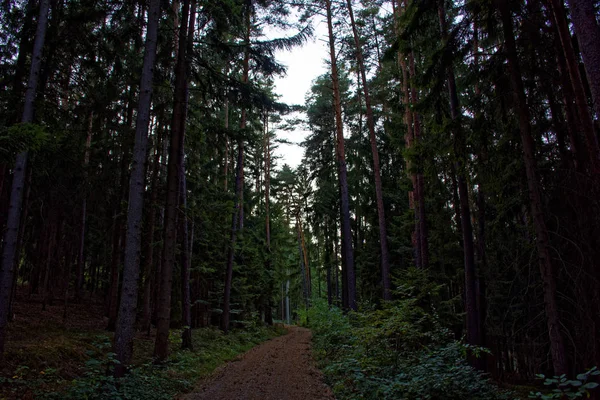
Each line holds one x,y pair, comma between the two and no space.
21,137
398,352
568,388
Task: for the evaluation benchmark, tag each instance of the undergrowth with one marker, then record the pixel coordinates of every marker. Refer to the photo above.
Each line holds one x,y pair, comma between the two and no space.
145,380
399,352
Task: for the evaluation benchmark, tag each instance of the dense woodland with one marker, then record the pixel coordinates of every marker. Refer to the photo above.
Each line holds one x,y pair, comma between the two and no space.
452,161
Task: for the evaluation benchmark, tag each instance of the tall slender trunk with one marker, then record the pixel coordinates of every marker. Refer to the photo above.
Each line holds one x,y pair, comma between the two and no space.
83,214
420,188
238,215
385,256
149,246
9,253
481,203
577,82
226,126
574,124
306,263
112,298
186,335
584,18
20,238
350,282
328,261
557,347
125,327
303,266
460,153
231,250
161,346
267,183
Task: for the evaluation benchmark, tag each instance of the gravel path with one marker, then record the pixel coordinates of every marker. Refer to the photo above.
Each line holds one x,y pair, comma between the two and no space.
280,369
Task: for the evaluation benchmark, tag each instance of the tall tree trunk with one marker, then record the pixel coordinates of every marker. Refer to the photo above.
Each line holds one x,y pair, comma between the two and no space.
112,299
481,202
9,253
385,256
186,335
83,214
303,266
350,282
574,124
185,250
460,153
328,261
577,82
584,18
125,328
161,346
238,213
557,347
20,239
420,188
267,183
145,322
232,242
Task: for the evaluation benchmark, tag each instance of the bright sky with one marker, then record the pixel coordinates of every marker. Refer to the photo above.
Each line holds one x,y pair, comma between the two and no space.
304,64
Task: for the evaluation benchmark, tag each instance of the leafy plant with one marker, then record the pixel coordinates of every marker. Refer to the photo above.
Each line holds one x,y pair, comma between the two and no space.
399,352
568,388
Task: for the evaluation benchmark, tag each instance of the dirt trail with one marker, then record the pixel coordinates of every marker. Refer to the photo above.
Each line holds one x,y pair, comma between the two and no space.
280,369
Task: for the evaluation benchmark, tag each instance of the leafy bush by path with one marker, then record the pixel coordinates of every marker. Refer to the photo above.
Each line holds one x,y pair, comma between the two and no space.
399,352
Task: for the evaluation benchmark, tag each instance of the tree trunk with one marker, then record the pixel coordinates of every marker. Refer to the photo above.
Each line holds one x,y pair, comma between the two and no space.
113,290
267,182
149,246
9,253
185,250
578,87
583,16
460,153
557,347
83,214
161,346
125,328
350,282
303,266
385,256
238,214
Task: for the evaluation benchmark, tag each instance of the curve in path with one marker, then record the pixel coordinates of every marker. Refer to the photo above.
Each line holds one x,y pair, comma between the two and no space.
279,369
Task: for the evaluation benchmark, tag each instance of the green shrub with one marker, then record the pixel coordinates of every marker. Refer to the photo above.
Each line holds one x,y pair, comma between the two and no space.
398,352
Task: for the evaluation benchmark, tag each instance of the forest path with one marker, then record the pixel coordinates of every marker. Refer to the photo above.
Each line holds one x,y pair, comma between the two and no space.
280,369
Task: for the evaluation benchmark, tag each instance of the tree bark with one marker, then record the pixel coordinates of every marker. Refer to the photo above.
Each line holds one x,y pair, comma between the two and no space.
83,214
125,327
577,82
385,256
267,183
149,246
186,335
161,346
238,215
350,282
460,154
583,16
9,253
557,347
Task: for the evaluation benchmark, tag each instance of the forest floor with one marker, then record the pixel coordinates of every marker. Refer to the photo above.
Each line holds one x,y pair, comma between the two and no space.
51,354
282,368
